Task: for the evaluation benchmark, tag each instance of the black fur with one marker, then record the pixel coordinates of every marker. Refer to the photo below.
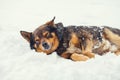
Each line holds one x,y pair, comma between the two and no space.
59,30
67,31
32,42
114,30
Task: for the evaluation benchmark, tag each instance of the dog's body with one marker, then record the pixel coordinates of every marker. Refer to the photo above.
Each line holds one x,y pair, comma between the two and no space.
74,42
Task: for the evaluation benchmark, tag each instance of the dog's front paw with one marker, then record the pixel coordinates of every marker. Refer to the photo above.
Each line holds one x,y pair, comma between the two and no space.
66,55
89,54
79,57
117,52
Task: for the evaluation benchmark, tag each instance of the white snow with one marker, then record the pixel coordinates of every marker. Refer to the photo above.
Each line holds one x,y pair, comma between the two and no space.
18,62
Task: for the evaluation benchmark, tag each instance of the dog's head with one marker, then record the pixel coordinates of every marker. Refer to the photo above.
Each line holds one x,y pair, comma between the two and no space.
45,38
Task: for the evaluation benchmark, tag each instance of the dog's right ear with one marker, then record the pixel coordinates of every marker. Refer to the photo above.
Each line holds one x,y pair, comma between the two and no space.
51,23
26,35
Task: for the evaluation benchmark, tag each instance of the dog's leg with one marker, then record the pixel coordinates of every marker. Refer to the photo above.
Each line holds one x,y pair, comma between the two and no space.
66,55
88,49
117,52
99,50
103,48
112,37
74,42
79,57
70,51
89,54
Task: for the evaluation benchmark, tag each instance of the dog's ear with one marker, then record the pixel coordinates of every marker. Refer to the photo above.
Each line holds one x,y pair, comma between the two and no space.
51,23
26,35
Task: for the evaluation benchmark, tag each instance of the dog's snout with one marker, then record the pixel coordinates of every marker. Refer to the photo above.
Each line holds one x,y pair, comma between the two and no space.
45,45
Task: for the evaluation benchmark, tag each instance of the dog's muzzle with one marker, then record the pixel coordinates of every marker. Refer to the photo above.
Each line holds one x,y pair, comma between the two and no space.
45,45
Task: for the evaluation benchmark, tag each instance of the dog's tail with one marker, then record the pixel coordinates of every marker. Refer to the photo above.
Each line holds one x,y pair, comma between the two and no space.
113,35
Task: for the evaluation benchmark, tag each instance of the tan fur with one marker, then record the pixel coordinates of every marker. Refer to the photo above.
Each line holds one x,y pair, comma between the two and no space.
53,41
117,52
81,54
88,49
66,55
79,57
80,46
74,40
73,47
112,37
89,45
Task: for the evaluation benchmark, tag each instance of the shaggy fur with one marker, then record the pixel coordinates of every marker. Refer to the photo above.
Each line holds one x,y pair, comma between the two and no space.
78,43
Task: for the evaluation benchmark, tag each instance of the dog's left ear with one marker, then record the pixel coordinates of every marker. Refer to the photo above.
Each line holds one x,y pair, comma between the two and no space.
51,23
26,35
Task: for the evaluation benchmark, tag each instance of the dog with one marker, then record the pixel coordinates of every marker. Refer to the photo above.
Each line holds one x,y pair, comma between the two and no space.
78,43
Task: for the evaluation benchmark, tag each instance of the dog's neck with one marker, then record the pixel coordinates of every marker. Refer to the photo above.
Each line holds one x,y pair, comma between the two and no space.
64,37
59,31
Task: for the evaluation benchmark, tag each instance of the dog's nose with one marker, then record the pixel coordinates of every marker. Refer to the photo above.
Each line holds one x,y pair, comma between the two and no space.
45,45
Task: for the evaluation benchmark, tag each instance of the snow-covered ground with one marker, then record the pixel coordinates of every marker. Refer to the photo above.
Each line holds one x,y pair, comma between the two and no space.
18,62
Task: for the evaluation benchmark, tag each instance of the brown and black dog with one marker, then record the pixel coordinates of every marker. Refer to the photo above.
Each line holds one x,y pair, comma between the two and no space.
78,43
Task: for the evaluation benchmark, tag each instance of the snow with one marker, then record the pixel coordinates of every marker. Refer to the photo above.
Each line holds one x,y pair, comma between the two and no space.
18,62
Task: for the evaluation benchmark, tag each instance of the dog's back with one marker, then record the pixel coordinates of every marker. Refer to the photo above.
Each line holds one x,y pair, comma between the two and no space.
83,34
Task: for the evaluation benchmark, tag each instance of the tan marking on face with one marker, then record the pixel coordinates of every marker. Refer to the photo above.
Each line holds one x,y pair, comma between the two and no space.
37,38
46,33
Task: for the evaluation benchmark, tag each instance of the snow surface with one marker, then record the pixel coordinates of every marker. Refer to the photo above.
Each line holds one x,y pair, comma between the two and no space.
18,62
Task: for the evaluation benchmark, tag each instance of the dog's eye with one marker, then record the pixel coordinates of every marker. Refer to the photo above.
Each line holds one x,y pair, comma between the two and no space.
37,43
